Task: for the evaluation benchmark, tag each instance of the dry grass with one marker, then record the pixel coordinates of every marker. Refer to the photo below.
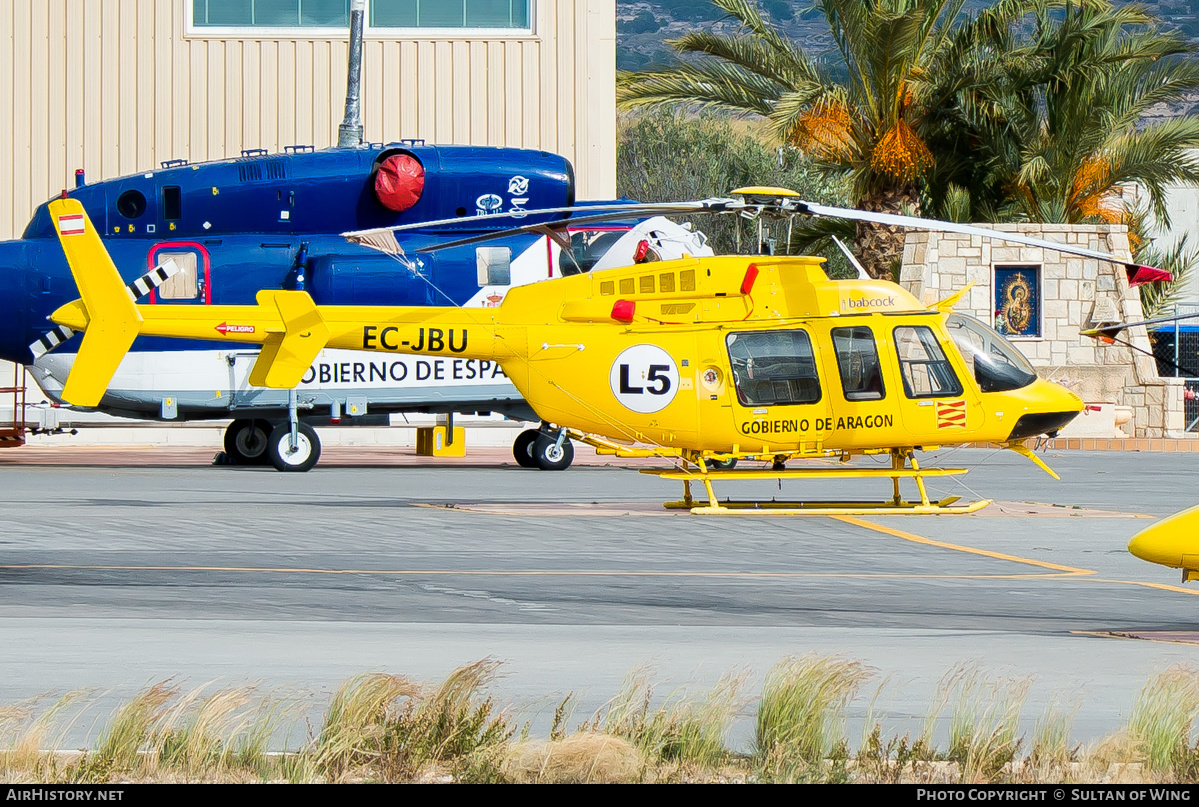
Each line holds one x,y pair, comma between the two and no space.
801,716
985,723
685,729
382,727
583,758
1164,715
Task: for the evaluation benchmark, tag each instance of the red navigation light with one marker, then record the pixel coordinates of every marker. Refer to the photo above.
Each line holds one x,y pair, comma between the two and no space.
641,251
622,311
1146,274
751,274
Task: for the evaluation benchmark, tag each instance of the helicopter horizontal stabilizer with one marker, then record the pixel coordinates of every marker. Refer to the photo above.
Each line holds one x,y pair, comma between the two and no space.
286,356
106,309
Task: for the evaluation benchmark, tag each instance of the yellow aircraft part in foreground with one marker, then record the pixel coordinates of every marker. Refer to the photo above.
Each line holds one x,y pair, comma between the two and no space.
728,356
1173,541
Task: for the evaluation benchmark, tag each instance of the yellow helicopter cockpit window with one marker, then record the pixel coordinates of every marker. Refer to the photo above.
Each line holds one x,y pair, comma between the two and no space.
774,368
997,365
857,361
925,370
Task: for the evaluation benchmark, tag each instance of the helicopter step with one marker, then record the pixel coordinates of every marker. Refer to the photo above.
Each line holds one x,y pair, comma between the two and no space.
846,508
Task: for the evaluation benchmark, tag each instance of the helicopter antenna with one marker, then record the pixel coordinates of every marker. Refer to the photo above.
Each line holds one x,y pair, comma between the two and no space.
862,273
349,133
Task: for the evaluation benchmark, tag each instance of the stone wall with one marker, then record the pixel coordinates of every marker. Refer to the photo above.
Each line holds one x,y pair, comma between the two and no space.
1076,293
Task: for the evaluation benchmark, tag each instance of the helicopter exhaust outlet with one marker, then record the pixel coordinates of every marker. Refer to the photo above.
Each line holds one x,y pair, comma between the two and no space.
622,311
751,275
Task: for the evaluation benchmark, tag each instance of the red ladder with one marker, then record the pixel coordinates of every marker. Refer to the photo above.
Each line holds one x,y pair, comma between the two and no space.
12,434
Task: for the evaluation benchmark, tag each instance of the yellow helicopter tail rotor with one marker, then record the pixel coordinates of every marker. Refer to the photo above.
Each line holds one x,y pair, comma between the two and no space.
105,311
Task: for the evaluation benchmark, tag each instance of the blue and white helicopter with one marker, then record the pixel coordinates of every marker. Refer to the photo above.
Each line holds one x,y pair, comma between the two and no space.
218,232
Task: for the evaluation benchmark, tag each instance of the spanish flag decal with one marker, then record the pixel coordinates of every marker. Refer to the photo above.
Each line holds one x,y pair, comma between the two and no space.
951,414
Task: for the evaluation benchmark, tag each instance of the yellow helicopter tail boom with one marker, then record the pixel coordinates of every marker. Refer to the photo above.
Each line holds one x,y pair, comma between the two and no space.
106,313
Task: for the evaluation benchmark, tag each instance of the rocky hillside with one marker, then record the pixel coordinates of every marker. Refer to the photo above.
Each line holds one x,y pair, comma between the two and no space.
644,25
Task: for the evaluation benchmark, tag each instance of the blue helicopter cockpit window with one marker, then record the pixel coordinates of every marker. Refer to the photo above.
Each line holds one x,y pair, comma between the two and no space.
925,370
857,361
996,364
774,368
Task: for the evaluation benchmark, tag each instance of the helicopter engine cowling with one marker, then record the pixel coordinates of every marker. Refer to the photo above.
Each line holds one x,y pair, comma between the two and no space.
364,280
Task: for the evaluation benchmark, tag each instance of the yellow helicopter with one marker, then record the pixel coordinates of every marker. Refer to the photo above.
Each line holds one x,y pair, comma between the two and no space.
701,361
1173,541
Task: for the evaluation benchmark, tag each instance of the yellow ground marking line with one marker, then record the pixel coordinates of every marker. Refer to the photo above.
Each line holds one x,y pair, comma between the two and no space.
1069,571
1146,584
919,539
516,573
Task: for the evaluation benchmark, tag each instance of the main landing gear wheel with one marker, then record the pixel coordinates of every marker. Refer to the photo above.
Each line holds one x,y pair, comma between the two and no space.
549,456
245,442
720,465
305,455
522,448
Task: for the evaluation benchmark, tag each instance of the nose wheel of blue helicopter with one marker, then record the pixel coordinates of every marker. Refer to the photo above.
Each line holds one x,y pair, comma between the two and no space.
301,456
553,452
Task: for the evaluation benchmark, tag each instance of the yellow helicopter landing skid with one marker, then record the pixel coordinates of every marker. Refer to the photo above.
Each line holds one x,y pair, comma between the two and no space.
692,472
897,505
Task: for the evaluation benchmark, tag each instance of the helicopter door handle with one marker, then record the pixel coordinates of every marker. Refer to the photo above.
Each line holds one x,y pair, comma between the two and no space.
291,198
925,403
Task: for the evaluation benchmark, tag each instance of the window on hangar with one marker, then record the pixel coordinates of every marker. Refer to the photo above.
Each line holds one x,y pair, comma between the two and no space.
383,14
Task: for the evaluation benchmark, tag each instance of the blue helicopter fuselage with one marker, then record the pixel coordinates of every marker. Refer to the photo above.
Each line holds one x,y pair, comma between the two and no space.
275,221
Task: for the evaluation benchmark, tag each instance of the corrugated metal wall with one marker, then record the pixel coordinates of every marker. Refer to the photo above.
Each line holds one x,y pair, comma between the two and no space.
115,87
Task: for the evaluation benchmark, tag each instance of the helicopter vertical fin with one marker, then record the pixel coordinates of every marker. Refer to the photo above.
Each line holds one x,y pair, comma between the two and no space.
111,318
286,357
946,305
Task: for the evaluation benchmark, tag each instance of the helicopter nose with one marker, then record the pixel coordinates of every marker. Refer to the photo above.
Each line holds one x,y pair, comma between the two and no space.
1050,406
13,346
1174,541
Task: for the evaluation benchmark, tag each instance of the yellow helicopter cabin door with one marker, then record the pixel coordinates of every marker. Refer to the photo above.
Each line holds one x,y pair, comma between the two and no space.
862,391
939,401
778,400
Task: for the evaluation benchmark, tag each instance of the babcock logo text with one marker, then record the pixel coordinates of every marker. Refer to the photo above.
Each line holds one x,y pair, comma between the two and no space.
869,302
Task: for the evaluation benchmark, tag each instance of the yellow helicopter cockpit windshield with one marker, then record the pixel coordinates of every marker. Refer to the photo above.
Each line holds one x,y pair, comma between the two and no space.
998,367
996,364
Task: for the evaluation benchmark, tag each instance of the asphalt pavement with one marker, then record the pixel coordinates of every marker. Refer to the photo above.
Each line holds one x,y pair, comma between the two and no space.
122,568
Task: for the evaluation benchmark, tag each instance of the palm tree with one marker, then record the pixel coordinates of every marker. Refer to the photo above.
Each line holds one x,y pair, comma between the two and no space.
1058,135
1028,111
899,64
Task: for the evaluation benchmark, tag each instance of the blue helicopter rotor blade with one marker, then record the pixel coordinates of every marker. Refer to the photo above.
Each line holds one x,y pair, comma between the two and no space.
647,208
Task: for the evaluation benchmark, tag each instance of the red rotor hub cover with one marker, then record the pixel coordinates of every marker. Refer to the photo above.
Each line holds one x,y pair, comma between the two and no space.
399,182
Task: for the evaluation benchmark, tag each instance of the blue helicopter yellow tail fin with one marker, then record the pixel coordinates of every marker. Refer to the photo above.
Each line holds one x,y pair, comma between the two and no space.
287,356
107,314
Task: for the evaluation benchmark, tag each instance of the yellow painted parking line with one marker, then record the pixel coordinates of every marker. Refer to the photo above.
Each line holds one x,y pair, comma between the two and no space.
919,539
518,572
1068,571
1147,584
